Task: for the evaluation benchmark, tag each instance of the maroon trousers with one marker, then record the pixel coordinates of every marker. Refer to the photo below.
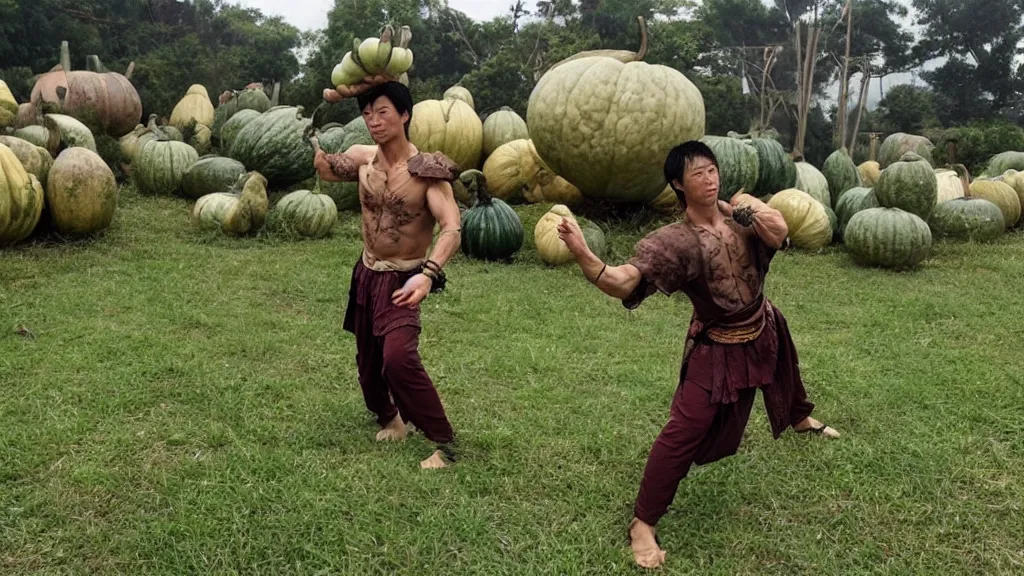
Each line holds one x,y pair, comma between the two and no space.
700,432
387,355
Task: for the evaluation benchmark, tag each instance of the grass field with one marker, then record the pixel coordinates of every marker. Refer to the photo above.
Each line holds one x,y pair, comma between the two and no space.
190,405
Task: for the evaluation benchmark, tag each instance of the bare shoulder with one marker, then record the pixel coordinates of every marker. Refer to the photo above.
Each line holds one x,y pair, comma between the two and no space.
361,153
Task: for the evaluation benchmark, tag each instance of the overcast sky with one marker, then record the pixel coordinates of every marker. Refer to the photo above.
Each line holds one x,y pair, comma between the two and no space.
312,14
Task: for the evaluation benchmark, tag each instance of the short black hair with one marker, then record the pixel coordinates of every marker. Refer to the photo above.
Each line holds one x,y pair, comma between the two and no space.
682,155
397,92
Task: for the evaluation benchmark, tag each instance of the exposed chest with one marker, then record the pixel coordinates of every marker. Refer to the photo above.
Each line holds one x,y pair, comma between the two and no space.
728,267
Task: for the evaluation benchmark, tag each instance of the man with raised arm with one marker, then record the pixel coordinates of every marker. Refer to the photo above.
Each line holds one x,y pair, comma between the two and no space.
737,341
404,194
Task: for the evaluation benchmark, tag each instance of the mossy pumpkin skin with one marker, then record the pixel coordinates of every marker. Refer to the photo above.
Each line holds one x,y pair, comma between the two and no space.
888,238
81,192
909,185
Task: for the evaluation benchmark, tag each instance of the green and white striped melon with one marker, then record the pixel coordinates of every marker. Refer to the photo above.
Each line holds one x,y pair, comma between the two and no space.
254,99
273,144
888,238
896,145
909,185
967,218
308,213
229,131
491,229
210,174
776,169
1002,195
855,200
806,218
812,181
161,164
841,173
738,165
502,127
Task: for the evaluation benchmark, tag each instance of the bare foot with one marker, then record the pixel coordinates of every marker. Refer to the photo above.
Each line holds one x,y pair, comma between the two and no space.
395,430
435,462
811,425
646,552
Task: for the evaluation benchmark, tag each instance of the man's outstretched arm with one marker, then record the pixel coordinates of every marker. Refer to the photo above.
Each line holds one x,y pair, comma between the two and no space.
616,281
343,167
768,222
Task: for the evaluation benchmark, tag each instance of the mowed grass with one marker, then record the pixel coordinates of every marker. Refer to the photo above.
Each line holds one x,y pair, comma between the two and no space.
190,405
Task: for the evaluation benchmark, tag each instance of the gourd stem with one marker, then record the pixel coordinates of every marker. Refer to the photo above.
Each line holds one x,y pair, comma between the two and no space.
276,97
643,39
65,57
965,178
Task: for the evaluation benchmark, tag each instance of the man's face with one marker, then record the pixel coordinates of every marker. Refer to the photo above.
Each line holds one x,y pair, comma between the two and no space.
383,121
700,182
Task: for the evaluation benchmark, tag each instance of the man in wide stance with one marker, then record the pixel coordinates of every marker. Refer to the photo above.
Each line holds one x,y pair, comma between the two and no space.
403,194
737,341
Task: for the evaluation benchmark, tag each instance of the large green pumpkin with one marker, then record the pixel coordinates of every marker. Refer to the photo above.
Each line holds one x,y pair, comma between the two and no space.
241,211
1002,195
812,181
841,174
21,199
210,174
808,222
967,219
909,185
491,229
888,238
776,169
34,159
161,163
737,165
1004,161
896,145
273,144
449,126
855,200
229,130
502,127
81,192
339,139
254,99
607,126
308,213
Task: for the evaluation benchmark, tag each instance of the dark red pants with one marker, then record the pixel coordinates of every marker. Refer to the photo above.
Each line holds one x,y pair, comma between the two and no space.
700,432
391,373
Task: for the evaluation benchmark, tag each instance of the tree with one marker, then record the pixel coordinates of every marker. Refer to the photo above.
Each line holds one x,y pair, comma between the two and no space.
908,108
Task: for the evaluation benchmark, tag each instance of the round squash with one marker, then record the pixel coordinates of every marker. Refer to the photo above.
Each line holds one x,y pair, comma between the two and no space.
449,126
1016,181
806,218
510,171
607,126
161,163
855,200
888,238
776,169
667,202
813,182
210,174
233,126
21,199
967,218
132,141
948,184
307,213
896,145
550,187
869,172
502,127
35,159
910,185
1002,195
459,93
841,174
81,192
594,237
65,132
241,211
1004,161
195,106
273,144
550,248
491,229
8,106
738,165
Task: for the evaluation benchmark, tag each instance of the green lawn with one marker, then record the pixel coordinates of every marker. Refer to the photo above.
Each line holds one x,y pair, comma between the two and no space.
190,405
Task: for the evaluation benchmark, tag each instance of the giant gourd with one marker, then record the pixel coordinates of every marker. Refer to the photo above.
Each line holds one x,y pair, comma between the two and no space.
308,213
738,165
161,163
241,211
888,238
502,127
81,192
491,229
841,174
812,181
195,106
21,199
808,222
449,126
909,185
273,144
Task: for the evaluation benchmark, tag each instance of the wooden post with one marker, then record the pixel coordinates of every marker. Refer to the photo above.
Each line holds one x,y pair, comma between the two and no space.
840,137
951,151
873,147
864,84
